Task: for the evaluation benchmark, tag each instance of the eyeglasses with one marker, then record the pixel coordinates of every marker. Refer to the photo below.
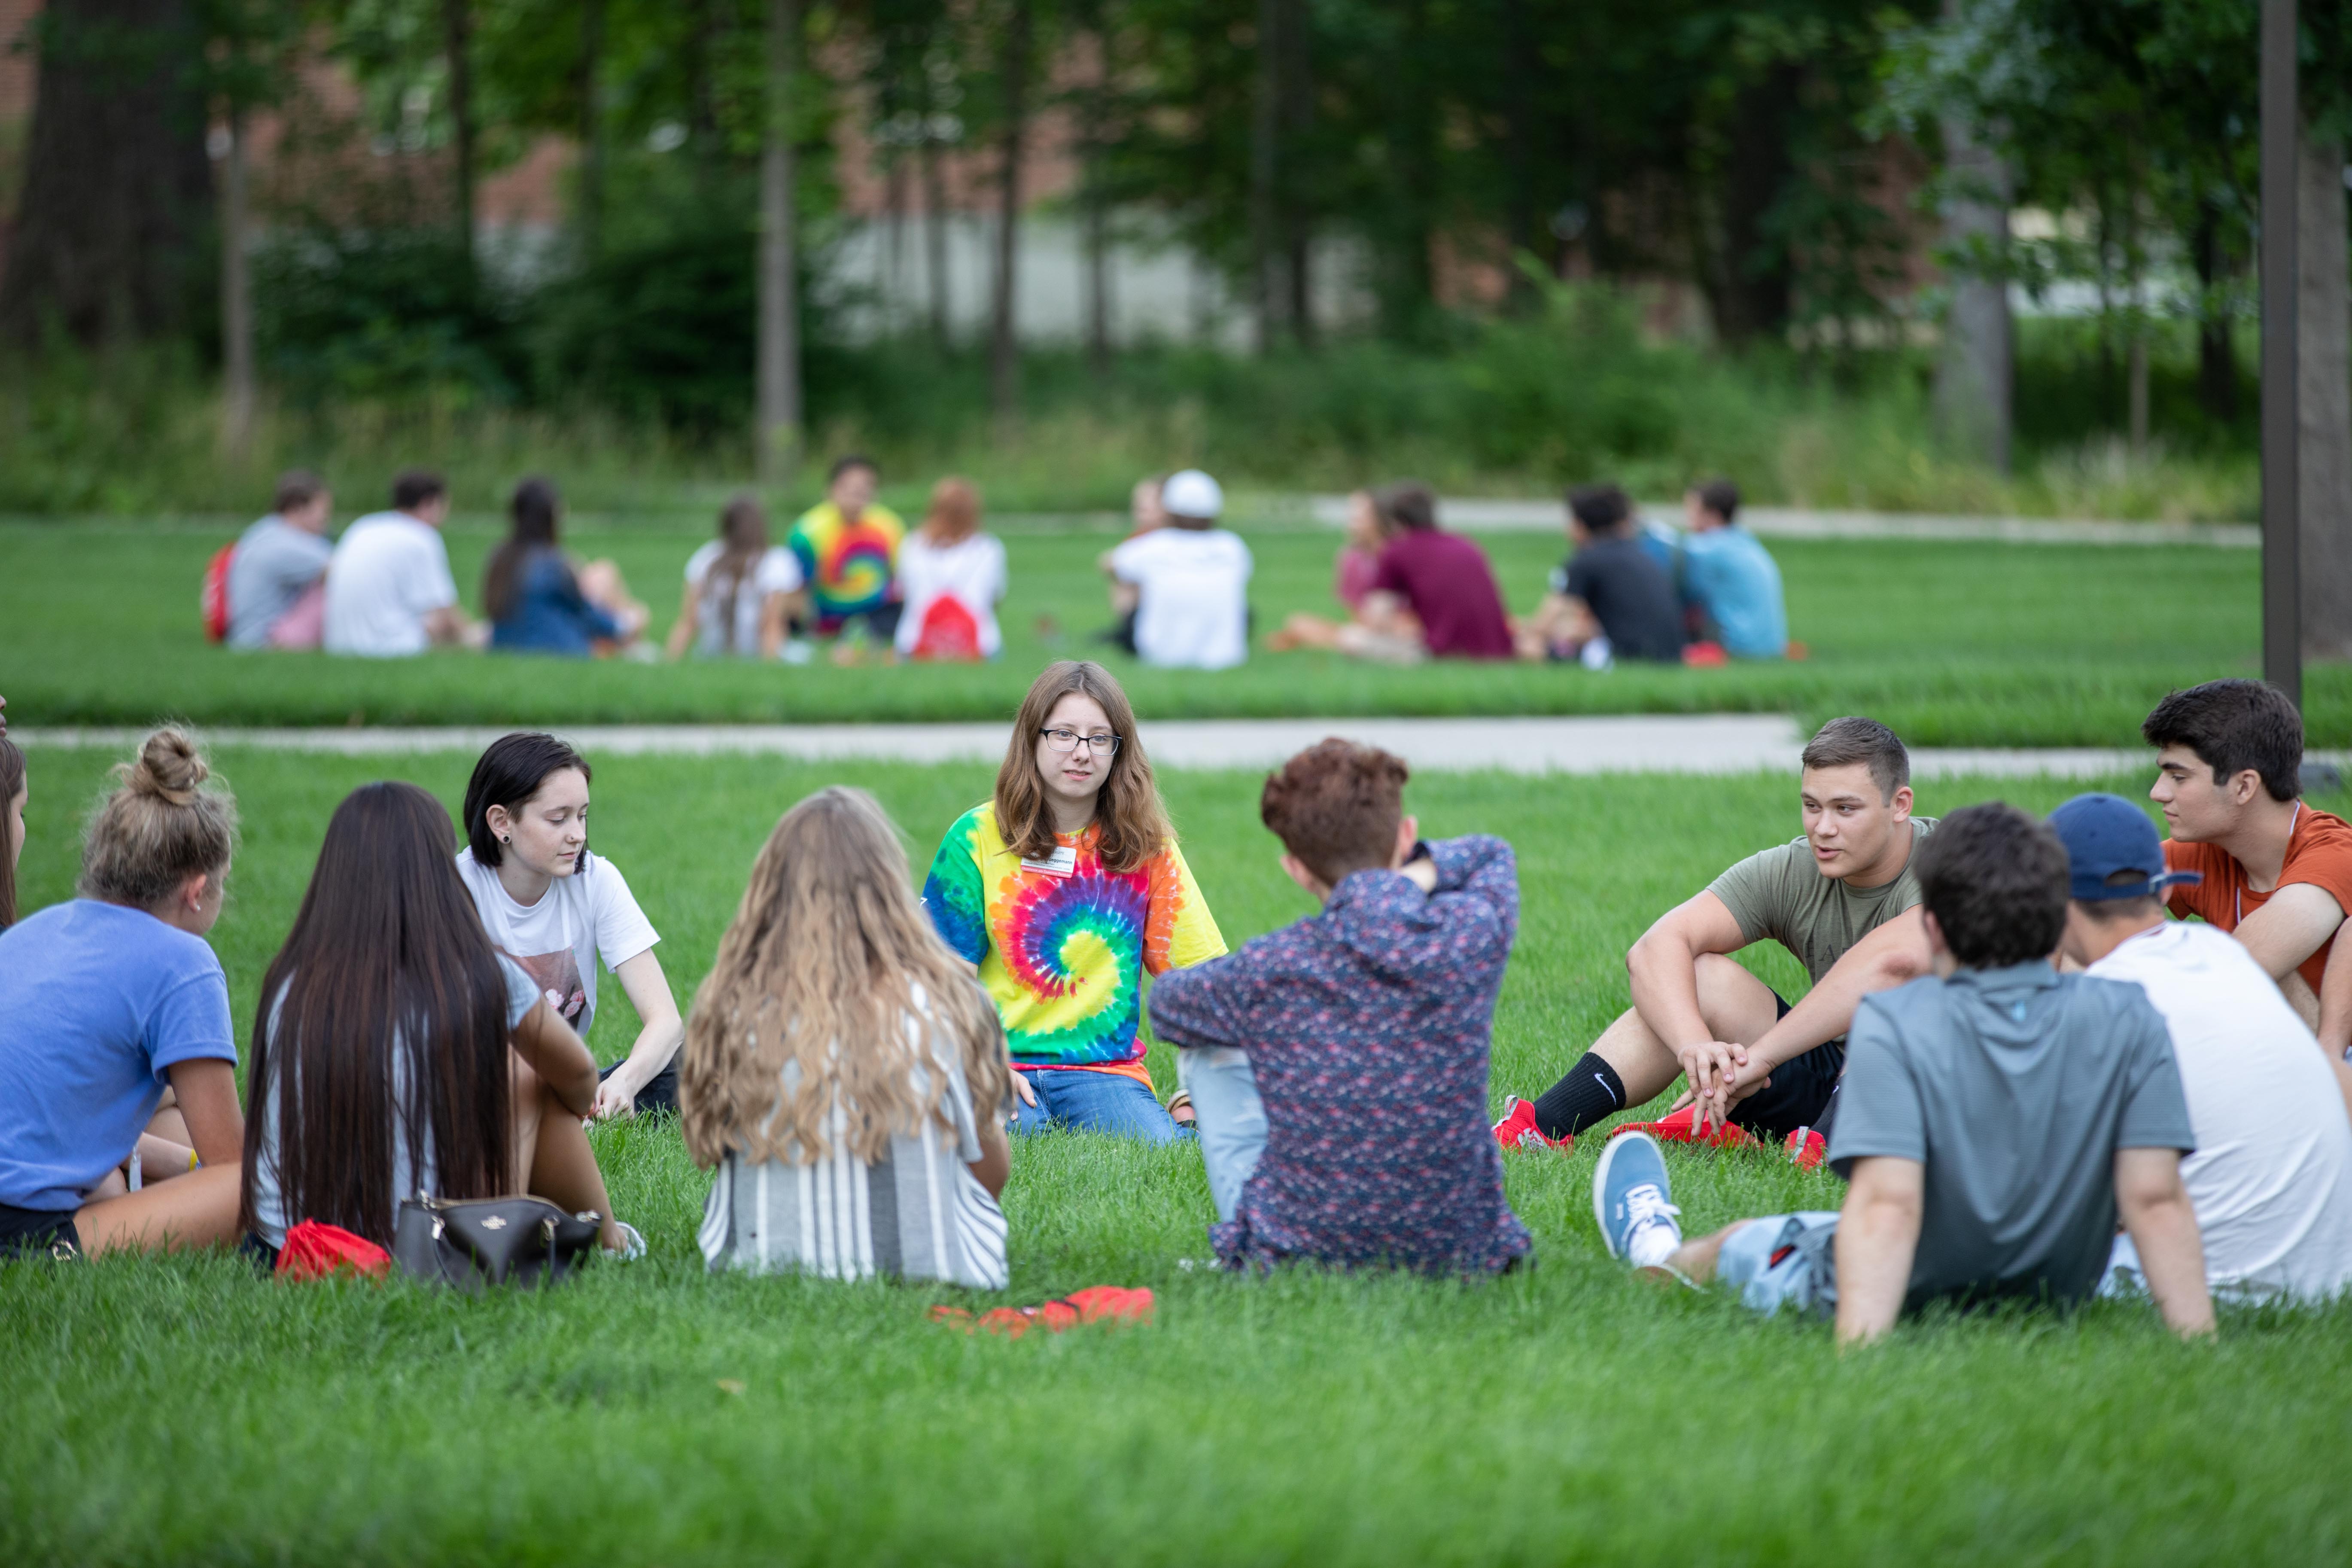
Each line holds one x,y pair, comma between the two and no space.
1066,741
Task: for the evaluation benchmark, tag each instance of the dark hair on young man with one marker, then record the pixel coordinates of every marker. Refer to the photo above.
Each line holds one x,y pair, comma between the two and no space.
413,488
842,465
1407,504
1995,879
386,990
537,511
1336,805
1600,508
1720,497
509,774
297,487
2234,725
1842,742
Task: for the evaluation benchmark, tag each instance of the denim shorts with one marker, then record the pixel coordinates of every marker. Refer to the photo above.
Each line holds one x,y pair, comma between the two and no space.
1783,1260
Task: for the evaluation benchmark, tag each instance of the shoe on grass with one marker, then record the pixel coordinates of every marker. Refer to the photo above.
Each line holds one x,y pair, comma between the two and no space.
1634,1203
1518,1130
1682,1127
1806,1148
633,1244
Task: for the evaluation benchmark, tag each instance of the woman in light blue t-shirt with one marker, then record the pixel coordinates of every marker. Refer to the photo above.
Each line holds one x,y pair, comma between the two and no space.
104,1001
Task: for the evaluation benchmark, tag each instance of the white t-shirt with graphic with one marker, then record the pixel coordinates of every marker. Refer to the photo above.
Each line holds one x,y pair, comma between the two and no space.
969,574
1193,612
2271,1178
558,939
777,571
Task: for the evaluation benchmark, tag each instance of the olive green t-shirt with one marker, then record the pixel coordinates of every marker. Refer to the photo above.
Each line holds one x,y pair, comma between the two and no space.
1779,894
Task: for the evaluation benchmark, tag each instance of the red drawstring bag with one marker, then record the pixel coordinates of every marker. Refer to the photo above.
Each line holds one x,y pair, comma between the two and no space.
315,1251
1095,1304
215,596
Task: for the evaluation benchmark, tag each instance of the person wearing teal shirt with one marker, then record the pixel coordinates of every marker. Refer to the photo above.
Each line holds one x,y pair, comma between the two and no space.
1731,576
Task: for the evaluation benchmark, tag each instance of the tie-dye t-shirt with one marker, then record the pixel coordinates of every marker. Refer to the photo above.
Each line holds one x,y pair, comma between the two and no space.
1064,953
851,568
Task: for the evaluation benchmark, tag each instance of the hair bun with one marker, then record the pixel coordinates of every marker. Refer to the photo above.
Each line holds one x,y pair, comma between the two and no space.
169,766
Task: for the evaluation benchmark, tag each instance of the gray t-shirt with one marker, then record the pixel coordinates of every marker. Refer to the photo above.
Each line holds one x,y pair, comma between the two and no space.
2015,1088
275,564
270,1219
1781,894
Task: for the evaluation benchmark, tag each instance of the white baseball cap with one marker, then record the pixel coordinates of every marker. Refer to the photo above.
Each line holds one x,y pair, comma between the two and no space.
1191,494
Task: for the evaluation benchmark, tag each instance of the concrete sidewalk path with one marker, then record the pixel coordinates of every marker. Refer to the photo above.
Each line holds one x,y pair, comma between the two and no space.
1703,743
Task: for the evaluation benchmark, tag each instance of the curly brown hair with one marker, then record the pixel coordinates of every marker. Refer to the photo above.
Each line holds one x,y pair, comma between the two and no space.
1132,822
1336,805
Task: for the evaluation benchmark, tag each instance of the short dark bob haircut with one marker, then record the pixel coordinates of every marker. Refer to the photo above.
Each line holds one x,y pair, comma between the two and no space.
509,774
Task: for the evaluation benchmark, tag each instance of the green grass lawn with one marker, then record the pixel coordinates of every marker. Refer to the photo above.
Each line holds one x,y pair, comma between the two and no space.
184,1411
1952,644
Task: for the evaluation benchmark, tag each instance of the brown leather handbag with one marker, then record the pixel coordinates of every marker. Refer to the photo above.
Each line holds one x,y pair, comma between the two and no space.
474,1244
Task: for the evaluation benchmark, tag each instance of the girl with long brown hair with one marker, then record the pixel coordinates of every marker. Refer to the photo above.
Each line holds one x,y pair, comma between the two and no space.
1065,890
842,1071
398,1053
740,588
108,997
951,575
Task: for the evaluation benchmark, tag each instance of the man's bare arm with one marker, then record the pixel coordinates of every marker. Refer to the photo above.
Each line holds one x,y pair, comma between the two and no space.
2289,928
1662,967
2336,1004
2163,1226
1894,953
1879,1234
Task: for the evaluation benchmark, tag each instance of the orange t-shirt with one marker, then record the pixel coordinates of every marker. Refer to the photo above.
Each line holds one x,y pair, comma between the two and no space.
2319,851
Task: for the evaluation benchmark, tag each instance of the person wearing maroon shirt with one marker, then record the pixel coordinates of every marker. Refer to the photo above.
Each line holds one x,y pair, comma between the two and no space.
1442,578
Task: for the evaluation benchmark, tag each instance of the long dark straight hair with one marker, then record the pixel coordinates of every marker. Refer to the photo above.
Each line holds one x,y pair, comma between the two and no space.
384,1016
535,510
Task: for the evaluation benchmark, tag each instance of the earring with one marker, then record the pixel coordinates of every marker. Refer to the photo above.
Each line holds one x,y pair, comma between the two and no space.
508,838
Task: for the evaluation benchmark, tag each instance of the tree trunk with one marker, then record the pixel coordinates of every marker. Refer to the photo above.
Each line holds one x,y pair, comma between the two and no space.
1265,135
1519,63
235,301
2216,355
1004,349
1754,285
1295,215
779,435
1971,401
591,216
2324,401
117,189
935,235
457,34
702,89
1095,135
1411,290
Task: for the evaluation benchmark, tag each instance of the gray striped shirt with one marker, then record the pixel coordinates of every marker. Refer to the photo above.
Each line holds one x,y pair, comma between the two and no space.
917,1213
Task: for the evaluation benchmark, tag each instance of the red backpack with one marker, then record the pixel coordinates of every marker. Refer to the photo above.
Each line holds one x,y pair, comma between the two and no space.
214,597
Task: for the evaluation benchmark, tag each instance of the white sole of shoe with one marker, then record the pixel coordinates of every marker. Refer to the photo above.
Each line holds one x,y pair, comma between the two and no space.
1609,1151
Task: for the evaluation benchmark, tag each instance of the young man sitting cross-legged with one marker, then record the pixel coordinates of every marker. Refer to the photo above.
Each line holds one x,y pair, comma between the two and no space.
1842,899
1359,1117
2277,874
2272,1177
1996,1118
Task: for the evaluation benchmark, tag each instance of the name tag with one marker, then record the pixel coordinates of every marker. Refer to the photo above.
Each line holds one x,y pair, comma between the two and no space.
1062,862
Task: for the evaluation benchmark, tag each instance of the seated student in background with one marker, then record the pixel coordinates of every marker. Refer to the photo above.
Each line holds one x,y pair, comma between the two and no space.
2277,874
389,592
847,547
396,1053
1732,577
843,1073
554,908
1191,580
1436,584
1379,625
16,791
1840,899
108,1003
537,603
950,578
2272,1176
1610,601
277,578
1065,890
1998,1117
1144,515
739,589
1365,1030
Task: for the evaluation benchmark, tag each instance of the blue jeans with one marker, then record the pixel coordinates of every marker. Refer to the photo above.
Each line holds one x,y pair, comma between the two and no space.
1093,1102
1224,1087
1783,1260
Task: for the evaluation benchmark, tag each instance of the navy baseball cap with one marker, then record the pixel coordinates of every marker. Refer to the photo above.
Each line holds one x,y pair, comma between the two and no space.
2104,834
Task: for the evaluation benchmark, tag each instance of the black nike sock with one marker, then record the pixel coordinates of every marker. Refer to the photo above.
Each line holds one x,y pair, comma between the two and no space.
1591,1091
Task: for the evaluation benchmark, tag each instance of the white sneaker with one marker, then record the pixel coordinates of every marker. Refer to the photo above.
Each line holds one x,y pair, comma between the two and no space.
633,1244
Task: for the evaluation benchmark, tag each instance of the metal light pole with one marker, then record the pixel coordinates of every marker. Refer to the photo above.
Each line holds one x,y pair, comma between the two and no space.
2281,497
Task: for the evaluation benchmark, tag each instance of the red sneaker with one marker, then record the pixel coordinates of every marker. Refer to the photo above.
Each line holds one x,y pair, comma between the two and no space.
1806,1148
1682,1127
1518,1130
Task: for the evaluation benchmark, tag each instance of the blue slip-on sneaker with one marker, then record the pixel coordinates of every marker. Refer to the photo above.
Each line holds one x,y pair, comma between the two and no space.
1632,1203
